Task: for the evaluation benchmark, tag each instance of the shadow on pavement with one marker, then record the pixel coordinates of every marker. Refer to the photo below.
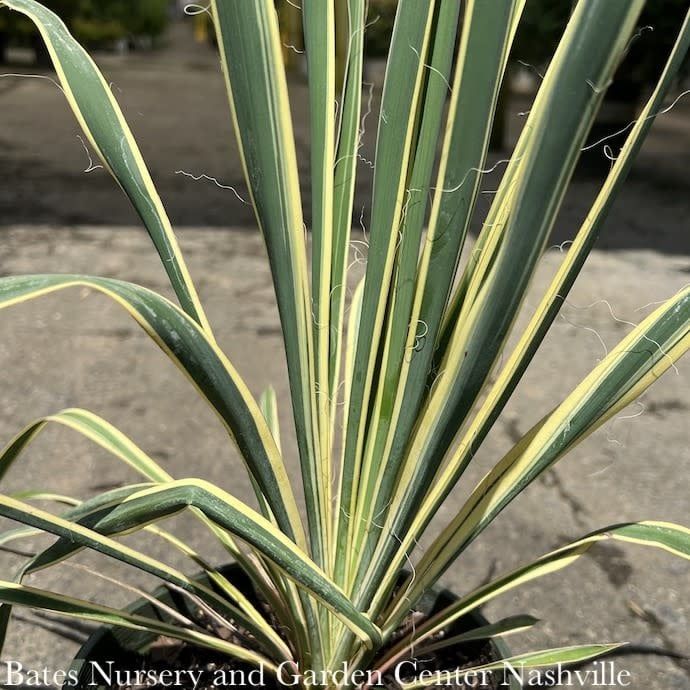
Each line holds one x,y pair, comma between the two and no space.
176,104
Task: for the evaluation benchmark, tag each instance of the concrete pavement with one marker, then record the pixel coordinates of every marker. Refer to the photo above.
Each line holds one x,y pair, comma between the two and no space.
78,349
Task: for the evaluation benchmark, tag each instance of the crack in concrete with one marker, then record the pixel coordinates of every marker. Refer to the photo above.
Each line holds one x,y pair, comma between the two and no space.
677,657
552,480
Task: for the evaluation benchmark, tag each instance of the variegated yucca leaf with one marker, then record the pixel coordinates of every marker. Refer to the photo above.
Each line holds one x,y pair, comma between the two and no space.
249,42
560,286
102,121
398,124
376,475
506,626
88,512
384,376
30,597
661,535
417,519
150,505
545,658
480,66
116,443
202,362
636,363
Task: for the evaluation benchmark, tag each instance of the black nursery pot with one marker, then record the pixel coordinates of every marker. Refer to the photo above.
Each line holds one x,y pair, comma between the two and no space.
127,650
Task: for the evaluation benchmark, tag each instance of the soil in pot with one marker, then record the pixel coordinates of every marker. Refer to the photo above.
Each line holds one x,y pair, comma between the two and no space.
134,660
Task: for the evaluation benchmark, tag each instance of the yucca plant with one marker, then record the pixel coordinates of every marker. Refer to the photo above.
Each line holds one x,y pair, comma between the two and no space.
393,396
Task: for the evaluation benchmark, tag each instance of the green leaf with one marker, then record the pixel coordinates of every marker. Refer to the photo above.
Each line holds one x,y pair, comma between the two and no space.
75,525
319,42
421,294
203,363
251,56
506,626
350,349
223,509
94,428
345,170
30,597
378,469
84,512
550,305
269,408
636,362
394,149
76,511
593,43
102,121
662,535
563,656
584,241
115,442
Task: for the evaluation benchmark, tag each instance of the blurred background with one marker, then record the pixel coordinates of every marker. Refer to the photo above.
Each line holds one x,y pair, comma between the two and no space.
163,69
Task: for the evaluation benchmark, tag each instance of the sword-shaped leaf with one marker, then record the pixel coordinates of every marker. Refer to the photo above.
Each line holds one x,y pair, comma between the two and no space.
102,121
591,47
31,597
545,658
151,505
422,293
251,56
345,171
398,127
550,305
202,362
674,539
235,604
630,368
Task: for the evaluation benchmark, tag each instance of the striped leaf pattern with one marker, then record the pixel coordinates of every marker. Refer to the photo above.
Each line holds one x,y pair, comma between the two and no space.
395,382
